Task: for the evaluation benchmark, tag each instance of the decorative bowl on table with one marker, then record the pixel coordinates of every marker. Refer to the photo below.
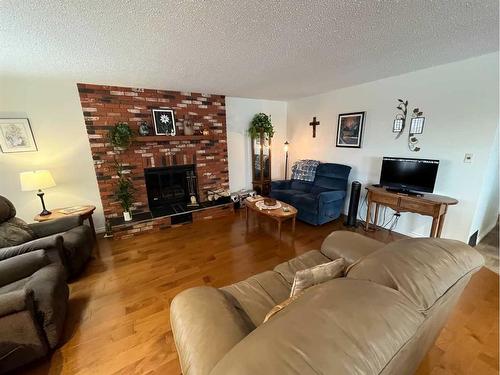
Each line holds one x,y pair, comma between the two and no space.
270,202
262,205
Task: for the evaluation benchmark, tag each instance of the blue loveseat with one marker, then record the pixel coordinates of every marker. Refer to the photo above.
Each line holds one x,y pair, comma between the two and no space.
317,202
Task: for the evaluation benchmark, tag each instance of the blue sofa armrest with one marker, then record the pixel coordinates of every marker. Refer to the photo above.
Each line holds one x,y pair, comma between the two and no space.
280,184
331,196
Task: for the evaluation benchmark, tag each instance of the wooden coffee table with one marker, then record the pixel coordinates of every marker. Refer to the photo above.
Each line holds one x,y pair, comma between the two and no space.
85,213
277,214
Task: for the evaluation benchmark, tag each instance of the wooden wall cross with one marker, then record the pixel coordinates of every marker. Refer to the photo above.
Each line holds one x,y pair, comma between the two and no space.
314,123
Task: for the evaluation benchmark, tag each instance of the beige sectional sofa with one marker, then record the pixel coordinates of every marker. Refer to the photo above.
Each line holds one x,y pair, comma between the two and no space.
381,318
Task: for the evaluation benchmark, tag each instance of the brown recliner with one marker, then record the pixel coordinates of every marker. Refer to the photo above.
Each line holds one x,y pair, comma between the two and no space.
381,318
66,240
33,301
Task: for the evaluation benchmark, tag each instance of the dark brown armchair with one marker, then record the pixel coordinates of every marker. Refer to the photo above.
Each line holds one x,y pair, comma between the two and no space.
66,240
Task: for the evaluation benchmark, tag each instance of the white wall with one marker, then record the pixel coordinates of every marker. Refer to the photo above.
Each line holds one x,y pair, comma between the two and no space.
486,215
460,104
53,108
239,113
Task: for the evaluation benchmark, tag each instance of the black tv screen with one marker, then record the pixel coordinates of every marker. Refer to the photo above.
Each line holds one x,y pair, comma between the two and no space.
407,174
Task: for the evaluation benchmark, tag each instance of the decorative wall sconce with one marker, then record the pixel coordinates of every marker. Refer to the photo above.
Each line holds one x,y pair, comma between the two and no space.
416,124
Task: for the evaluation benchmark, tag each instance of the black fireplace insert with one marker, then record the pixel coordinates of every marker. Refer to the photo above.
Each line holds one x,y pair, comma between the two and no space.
168,189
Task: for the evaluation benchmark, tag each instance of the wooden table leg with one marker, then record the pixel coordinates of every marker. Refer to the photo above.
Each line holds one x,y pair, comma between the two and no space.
279,228
368,209
293,223
440,226
246,217
91,223
435,223
375,219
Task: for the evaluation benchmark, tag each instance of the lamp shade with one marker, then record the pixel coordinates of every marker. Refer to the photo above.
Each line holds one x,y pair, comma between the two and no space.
35,180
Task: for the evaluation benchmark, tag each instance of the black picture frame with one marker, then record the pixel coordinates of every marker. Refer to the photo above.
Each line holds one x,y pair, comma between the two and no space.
163,127
350,129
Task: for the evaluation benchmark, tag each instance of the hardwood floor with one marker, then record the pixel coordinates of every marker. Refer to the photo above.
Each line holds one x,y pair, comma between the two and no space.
118,318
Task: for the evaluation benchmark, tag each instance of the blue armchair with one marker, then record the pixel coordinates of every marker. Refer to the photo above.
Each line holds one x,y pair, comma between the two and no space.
317,202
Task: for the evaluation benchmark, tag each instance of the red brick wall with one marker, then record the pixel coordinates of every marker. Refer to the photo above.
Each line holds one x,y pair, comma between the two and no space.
104,106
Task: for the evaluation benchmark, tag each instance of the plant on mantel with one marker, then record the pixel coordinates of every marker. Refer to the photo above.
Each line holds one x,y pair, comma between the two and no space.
120,136
261,123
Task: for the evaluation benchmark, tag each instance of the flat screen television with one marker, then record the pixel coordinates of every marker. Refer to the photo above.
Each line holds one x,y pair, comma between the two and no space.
409,175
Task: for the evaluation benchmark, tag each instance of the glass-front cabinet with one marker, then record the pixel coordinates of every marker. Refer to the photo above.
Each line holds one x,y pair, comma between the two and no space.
261,164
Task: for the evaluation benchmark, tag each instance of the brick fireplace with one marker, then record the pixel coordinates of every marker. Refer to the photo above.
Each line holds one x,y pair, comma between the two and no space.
205,151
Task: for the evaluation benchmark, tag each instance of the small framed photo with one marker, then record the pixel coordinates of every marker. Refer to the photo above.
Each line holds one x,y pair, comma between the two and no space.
417,125
397,127
16,135
350,129
164,121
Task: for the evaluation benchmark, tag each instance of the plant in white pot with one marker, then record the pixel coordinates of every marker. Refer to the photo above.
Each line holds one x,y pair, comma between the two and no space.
124,194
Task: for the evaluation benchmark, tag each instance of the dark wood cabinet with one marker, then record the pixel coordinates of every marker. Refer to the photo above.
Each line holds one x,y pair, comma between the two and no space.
261,164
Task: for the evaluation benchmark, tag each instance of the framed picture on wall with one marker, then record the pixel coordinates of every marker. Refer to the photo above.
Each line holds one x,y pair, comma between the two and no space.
350,129
164,121
16,135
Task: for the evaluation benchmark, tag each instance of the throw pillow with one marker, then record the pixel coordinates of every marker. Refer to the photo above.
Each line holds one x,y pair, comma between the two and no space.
316,275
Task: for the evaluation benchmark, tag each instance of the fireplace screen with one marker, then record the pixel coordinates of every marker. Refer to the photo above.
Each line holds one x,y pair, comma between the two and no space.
169,188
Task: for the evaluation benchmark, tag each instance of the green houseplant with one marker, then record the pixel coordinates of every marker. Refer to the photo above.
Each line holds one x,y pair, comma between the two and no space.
121,135
124,192
261,123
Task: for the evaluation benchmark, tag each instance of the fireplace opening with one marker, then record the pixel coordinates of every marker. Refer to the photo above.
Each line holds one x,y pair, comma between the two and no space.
170,189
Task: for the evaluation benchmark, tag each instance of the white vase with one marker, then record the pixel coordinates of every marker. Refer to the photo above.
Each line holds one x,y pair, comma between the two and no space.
127,216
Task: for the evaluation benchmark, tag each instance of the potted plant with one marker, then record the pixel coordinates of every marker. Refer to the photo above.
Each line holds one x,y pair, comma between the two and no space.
261,124
121,135
124,194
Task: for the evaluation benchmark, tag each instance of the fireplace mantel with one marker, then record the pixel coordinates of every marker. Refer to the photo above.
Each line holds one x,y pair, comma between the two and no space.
169,138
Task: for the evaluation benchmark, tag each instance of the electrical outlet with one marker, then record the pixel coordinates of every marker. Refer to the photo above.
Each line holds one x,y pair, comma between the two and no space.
468,158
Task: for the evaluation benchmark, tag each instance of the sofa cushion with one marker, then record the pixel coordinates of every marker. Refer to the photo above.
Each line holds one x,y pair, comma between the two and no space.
307,260
15,231
284,195
301,186
343,326
332,176
258,294
421,270
7,209
305,202
349,245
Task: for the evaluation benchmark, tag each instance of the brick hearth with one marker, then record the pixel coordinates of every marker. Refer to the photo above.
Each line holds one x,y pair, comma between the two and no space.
104,106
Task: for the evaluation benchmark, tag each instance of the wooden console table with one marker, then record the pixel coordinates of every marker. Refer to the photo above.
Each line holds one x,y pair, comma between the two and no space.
432,205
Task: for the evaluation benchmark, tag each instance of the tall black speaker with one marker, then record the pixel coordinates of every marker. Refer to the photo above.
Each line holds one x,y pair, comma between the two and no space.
353,204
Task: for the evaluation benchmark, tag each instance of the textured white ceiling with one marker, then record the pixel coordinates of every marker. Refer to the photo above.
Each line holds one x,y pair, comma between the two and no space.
265,49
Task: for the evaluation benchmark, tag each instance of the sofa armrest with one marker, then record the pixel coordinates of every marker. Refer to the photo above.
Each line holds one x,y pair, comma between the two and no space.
21,266
38,244
205,327
14,302
47,228
21,338
280,184
331,196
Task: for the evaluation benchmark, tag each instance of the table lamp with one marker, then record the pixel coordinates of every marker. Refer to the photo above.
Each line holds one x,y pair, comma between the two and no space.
37,180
